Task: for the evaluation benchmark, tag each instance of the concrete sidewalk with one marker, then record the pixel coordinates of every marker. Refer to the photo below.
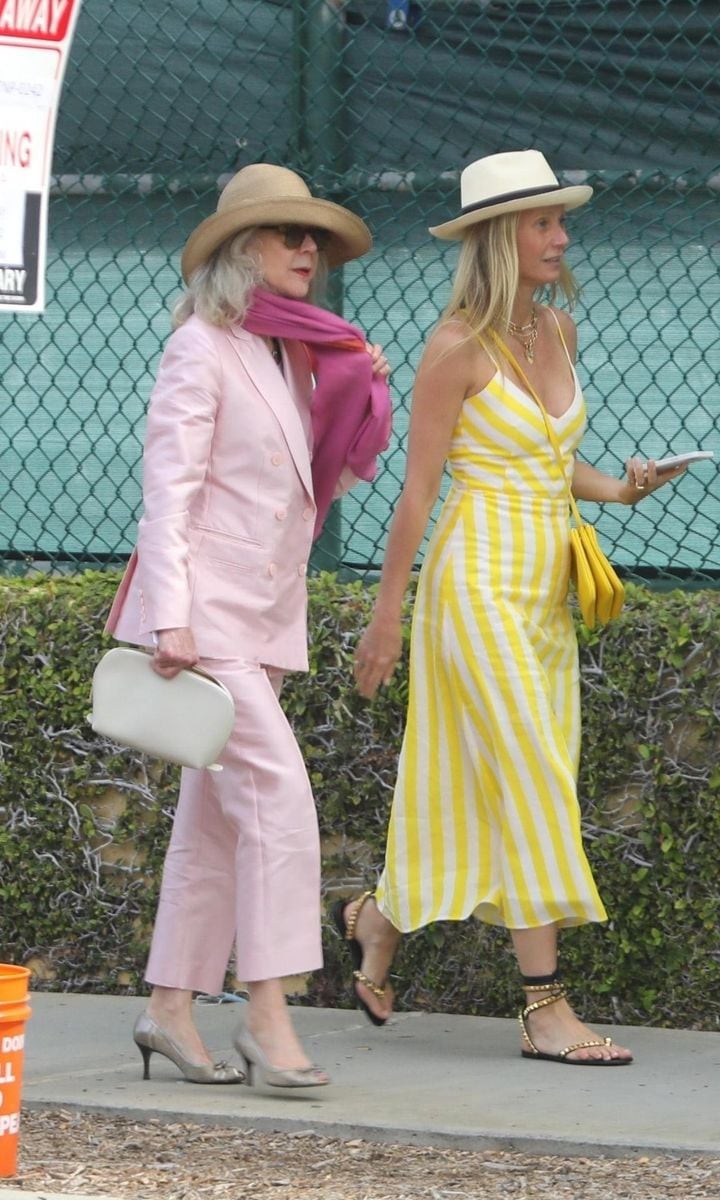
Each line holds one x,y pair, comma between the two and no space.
423,1078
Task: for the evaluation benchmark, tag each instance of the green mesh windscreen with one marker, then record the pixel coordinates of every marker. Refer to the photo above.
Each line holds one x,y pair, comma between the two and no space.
163,102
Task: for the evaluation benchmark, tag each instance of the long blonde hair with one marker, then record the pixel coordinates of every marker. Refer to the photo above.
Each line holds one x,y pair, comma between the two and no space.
221,289
487,276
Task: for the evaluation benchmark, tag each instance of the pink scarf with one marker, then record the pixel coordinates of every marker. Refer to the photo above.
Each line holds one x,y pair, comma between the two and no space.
351,415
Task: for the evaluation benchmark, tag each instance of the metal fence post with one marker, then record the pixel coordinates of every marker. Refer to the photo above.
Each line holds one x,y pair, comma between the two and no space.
320,151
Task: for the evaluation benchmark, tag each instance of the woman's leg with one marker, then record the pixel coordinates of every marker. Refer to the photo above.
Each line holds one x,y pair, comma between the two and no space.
379,940
285,927
171,1010
268,1020
195,921
555,1026
244,857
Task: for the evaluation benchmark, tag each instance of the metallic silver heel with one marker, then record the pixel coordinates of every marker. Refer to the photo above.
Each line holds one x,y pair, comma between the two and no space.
146,1053
150,1038
257,1064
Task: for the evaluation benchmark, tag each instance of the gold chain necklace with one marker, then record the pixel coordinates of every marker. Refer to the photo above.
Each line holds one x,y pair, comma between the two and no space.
526,334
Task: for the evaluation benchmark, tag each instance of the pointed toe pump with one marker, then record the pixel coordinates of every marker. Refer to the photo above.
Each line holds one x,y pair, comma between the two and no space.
150,1038
259,1068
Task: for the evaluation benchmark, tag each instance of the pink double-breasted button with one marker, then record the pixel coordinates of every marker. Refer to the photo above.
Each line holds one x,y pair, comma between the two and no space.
308,514
272,569
280,514
302,569
277,459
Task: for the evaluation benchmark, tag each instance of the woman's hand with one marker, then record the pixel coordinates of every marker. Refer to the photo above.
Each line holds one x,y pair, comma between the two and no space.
377,655
643,479
175,650
381,366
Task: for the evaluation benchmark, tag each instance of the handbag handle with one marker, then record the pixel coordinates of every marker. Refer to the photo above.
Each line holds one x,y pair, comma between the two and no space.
191,670
552,436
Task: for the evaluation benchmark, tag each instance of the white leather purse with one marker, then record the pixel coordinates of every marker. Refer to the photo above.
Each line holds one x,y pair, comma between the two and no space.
185,720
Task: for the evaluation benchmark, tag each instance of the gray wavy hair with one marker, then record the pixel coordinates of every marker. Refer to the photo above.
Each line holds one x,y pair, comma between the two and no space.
221,289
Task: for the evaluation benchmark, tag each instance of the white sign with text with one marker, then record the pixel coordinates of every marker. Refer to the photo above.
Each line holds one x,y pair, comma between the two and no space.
35,37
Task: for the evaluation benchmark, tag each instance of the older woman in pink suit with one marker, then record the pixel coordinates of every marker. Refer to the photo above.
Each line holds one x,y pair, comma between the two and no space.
251,431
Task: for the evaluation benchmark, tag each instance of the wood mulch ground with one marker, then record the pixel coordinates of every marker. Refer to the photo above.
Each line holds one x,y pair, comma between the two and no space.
89,1153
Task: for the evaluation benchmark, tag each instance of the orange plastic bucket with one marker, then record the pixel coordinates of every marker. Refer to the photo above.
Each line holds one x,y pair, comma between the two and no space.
14,1012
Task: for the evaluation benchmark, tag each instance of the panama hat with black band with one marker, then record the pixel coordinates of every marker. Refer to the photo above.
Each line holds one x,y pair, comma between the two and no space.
506,183
263,194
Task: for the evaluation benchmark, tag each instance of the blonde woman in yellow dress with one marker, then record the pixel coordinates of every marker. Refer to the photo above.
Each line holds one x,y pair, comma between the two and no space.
485,817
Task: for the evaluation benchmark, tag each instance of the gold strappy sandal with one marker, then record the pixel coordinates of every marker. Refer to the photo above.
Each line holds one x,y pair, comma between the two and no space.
346,929
555,991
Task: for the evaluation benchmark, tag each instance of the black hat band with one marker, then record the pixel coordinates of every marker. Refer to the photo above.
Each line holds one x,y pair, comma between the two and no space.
548,189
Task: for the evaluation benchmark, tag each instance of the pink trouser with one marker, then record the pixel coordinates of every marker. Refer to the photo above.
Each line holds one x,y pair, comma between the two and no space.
243,862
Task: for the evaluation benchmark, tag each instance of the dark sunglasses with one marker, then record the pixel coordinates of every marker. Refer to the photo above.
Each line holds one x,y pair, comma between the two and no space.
293,236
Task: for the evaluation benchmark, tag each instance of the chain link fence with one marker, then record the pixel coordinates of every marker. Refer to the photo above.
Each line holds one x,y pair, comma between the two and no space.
163,103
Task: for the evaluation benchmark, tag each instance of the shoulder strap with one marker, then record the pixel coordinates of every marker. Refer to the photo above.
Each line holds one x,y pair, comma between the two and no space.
552,436
561,335
480,338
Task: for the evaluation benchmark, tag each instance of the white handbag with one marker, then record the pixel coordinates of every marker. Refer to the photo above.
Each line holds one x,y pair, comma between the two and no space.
185,720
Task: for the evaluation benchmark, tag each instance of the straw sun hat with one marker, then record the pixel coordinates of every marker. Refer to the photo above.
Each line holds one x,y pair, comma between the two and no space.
264,194
510,182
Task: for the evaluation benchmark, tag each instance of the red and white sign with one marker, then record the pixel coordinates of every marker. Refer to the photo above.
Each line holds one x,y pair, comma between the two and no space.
35,37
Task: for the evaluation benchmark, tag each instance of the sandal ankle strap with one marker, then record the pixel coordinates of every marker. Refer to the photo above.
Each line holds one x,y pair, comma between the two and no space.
352,919
553,993
545,987
534,982
370,984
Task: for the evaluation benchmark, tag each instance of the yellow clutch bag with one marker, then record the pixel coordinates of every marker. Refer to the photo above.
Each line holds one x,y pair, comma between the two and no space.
600,591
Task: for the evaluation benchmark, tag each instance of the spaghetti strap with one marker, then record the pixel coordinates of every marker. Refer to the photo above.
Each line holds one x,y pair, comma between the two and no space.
484,344
489,351
562,338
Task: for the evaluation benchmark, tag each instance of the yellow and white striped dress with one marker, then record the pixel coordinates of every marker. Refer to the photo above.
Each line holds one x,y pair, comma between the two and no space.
485,817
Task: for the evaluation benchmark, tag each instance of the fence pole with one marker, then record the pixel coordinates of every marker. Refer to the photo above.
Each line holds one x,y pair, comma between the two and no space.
320,149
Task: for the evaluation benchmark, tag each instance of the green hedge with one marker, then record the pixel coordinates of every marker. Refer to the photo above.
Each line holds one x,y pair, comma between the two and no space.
83,825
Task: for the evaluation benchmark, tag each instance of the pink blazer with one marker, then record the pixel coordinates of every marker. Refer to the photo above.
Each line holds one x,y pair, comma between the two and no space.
228,518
